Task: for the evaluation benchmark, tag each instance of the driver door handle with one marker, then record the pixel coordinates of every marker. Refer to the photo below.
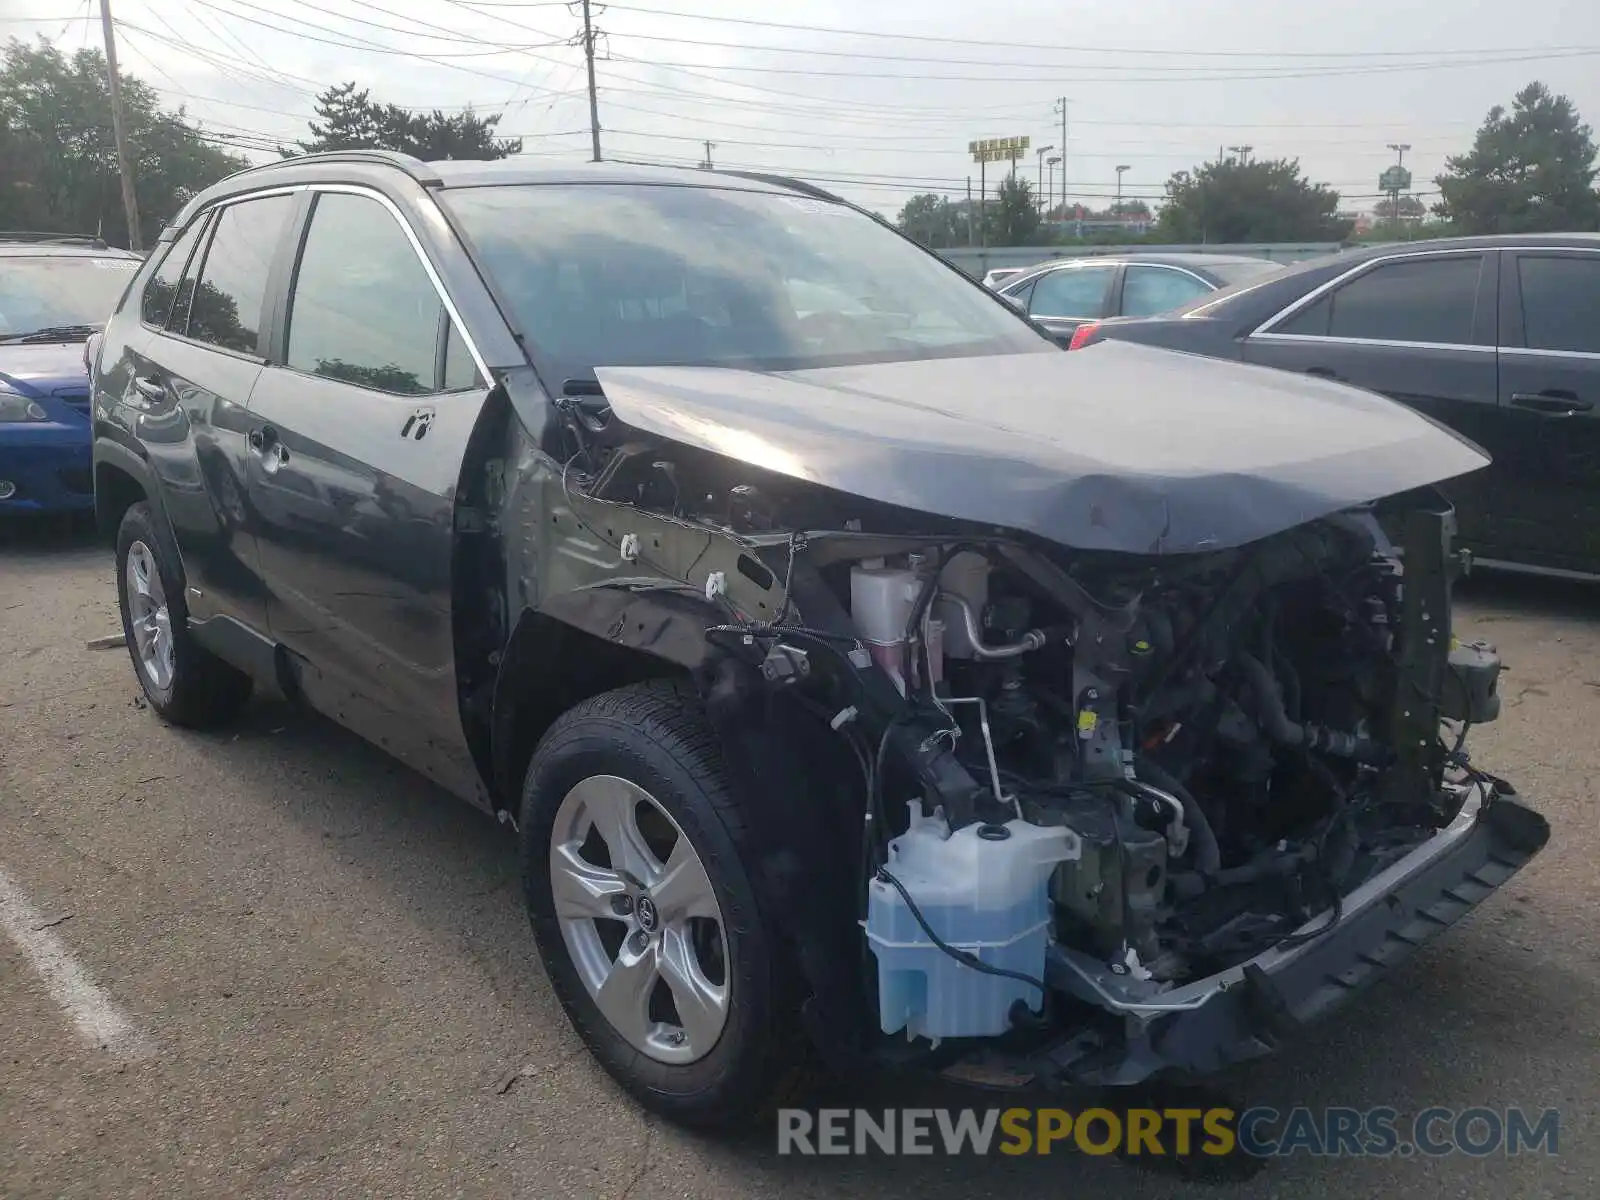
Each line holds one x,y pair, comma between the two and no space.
1554,402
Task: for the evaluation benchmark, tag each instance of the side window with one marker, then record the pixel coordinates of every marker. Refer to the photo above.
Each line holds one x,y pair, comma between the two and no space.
1560,300
225,309
156,303
1071,292
363,309
1431,300
1150,290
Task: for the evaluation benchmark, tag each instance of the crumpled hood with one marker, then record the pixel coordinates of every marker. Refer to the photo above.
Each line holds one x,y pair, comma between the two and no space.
1117,447
40,370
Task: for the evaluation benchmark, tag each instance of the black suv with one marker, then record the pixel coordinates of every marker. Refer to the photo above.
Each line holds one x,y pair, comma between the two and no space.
857,668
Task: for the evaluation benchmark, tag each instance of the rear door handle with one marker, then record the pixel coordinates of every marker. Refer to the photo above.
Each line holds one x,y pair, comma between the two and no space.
1323,372
1552,403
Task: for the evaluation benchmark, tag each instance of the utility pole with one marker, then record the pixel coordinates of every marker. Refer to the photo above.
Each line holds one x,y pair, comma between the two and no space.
594,103
1241,153
707,164
1399,149
119,130
1061,107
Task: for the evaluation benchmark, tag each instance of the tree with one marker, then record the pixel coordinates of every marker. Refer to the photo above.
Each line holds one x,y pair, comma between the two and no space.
349,119
1530,170
1409,209
1260,200
1012,217
58,162
933,220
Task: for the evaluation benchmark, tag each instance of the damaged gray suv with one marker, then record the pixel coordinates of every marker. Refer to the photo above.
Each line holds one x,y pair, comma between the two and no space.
867,680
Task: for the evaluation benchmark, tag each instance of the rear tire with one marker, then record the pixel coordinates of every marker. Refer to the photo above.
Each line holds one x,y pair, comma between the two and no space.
714,1039
183,681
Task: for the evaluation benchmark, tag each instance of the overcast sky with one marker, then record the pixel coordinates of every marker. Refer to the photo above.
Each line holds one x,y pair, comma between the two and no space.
1156,86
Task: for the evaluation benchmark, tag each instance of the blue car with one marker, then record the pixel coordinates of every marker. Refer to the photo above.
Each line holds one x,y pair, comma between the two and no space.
55,293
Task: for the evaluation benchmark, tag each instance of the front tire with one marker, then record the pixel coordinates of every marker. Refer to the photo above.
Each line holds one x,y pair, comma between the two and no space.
183,681
635,878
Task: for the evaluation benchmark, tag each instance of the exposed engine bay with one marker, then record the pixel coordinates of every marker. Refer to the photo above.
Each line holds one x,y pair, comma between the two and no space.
1144,769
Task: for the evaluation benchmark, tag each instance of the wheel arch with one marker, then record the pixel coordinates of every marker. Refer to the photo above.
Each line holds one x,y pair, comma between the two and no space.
121,480
580,645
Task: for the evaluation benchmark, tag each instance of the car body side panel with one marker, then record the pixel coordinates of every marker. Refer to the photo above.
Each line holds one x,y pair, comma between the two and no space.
355,523
191,436
1547,448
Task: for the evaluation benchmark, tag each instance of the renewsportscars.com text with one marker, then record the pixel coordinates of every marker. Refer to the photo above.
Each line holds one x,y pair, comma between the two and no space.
1257,1132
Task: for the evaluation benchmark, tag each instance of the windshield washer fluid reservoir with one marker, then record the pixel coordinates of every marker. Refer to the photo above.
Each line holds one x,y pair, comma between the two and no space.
982,889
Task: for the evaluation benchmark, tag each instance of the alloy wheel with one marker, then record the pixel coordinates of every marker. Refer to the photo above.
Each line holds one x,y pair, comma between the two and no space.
640,919
149,618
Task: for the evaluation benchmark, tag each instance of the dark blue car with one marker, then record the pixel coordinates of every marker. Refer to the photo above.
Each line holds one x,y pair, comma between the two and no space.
55,293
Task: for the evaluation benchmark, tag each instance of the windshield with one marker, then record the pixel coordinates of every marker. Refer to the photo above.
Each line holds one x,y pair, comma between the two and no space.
49,290
1244,270
649,275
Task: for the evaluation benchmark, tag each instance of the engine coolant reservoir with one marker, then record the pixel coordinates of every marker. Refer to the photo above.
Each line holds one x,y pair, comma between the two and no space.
983,889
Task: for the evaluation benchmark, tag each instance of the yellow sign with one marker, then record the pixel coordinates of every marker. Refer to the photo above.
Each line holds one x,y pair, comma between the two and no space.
998,149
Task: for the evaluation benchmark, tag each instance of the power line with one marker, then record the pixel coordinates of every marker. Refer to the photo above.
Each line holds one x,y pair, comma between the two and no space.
490,50
989,79
1492,56
1036,46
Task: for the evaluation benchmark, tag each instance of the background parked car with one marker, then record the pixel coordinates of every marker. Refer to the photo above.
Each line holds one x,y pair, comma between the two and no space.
1063,295
1497,338
996,276
54,293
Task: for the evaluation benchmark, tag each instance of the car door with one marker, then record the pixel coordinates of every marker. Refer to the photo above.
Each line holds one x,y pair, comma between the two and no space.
1420,328
188,373
358,430
1549,453
1066,296
1152,288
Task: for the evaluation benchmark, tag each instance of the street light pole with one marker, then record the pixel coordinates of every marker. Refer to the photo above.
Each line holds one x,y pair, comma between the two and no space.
1120,170
1050,180
1241,153
1039,196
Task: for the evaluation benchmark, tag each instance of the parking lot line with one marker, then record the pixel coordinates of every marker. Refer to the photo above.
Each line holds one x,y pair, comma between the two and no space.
98,1018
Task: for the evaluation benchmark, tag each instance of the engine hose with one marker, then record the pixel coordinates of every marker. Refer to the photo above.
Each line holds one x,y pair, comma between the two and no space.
1207,854
1276,724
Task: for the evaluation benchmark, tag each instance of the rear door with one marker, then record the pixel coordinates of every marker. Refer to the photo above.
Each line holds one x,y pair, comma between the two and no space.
1549,451
187,374
1065,297
358,431
1152,288
1419,328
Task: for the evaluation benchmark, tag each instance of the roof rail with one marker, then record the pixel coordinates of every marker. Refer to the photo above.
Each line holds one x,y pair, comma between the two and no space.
414,167
64,239
798,185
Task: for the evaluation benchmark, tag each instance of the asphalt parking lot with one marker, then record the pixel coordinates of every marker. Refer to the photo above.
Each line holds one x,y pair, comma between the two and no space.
327,985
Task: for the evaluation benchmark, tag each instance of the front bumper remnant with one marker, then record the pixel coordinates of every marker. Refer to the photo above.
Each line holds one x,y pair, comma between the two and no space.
1252,1009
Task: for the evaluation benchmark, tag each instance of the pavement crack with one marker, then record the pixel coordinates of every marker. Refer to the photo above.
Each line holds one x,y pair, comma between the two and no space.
644,1163
61,920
